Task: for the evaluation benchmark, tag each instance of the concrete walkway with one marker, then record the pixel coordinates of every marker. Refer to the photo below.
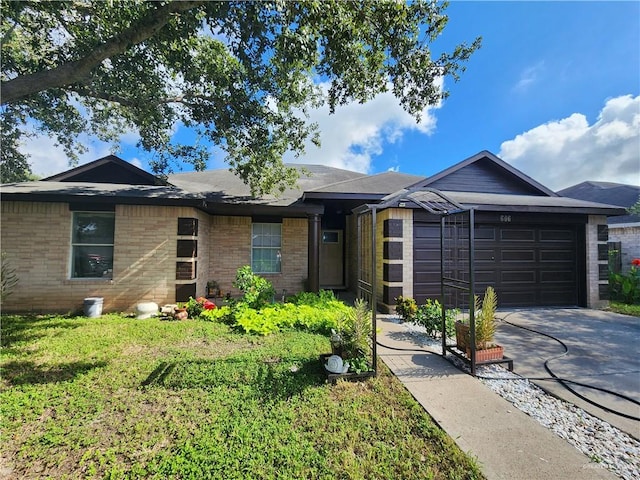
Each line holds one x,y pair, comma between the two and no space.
507,443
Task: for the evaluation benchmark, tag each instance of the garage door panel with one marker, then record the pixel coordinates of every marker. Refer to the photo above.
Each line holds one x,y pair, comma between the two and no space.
557,277
485,233
424,278
484,276
518,256
485,255
567,236
528,266
422,255
558,296
426,231
557,256
518,235
512,298
518,277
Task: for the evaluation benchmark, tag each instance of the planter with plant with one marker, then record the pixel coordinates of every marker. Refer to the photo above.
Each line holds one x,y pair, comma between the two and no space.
213,289
485,323
352,343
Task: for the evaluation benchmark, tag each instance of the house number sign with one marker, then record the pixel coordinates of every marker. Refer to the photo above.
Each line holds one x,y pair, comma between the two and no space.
505,218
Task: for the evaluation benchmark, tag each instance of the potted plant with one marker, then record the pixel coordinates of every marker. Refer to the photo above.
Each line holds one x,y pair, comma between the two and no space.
485,322
352,342
213,289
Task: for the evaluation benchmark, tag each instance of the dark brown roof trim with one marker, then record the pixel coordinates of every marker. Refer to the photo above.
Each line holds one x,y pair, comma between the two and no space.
87,167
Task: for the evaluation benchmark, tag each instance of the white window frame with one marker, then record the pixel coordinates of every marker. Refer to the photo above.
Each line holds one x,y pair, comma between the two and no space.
254,247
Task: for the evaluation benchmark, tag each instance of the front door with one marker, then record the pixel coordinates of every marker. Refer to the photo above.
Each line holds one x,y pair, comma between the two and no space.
332,259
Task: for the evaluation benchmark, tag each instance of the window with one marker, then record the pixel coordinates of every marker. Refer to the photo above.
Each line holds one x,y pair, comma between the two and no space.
92,245
266,243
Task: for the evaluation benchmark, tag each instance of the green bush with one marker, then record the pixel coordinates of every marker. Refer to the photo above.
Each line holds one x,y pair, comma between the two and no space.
625,288
429,316
407,308
316,313
257,291
223,314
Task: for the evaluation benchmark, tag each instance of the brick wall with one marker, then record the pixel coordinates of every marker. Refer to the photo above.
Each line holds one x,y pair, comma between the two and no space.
230,249
36,237
395,229
597,256
629,237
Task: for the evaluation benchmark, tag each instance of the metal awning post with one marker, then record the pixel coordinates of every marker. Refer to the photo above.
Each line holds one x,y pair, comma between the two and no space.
374,294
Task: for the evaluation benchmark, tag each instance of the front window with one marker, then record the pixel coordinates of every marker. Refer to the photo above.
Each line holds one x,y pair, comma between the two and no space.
266,247
92,245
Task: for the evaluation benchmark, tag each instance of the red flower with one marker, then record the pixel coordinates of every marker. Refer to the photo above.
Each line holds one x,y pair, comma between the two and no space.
208,305
635,262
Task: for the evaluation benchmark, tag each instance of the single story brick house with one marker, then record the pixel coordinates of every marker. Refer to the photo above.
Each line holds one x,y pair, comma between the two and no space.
112,230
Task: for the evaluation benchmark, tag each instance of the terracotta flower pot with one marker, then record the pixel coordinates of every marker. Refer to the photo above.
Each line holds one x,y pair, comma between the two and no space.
488,354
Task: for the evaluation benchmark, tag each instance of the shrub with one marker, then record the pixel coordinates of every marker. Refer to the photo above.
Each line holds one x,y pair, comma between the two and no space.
429,316
195,306
625,288
316,313
257,291
407,308
223,314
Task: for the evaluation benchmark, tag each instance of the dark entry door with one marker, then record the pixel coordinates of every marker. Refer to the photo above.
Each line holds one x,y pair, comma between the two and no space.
527,265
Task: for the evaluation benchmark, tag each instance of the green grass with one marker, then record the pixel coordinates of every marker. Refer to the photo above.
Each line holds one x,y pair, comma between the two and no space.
625,308
116,397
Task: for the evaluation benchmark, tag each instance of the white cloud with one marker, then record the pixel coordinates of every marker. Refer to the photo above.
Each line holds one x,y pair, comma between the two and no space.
355,133
565,152
47,158
529,76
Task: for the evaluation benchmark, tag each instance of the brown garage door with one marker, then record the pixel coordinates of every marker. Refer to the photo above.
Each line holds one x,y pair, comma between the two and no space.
527,265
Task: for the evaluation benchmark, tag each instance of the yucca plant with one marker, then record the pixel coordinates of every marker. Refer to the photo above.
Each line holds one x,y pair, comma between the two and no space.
356,330
486,318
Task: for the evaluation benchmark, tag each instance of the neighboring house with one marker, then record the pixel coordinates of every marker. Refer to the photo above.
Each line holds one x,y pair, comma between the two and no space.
111,230
624,230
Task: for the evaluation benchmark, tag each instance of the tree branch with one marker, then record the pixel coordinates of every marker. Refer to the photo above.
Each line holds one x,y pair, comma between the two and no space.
74,72
185,99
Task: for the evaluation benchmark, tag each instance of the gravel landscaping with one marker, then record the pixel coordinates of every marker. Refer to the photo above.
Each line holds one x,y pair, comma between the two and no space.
597,439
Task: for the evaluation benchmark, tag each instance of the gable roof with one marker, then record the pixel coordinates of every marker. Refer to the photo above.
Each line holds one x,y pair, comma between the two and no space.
607,192
109,169
485,173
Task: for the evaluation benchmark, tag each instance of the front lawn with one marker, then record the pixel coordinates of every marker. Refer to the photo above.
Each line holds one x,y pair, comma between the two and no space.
116,397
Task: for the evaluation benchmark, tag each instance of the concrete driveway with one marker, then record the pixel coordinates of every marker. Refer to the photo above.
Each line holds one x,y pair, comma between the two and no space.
603,351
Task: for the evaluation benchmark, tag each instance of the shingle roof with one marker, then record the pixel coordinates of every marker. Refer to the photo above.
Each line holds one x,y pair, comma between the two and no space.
607,192
381,183
486,200
225,187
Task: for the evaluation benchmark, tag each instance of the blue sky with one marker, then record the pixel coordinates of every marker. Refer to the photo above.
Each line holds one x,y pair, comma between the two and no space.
554,91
